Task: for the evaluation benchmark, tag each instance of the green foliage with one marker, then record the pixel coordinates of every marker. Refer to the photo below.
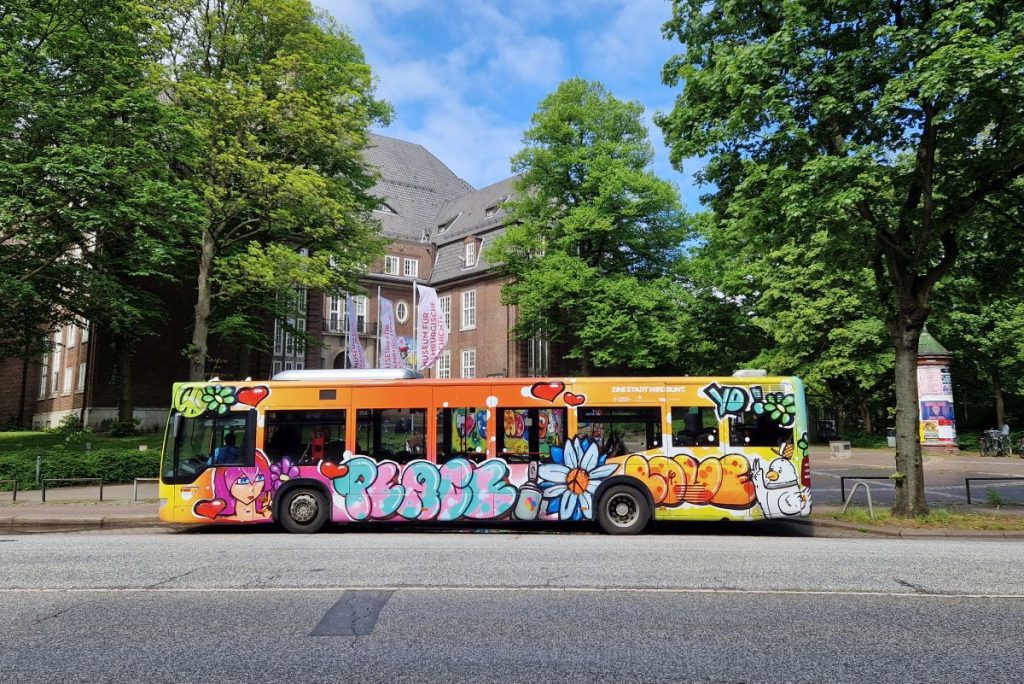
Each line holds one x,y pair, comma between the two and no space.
89,196
888,128
279,100
593,234
993,498
124,428
113,465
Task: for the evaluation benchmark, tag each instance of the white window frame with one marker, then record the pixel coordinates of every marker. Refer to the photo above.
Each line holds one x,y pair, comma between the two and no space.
44,376
277,368
444,365
69,380
278,338
69,335
401,311
56,364
85,332
446,309
468,367
411,268
468,321
335,314
391,264
470,254
81,379
360,302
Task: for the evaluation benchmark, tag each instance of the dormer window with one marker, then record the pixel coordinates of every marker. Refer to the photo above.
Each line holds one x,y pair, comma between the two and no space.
443,227
493,209
386,208
470,256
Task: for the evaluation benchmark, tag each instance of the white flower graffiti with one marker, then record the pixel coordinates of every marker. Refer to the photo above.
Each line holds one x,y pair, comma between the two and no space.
570,482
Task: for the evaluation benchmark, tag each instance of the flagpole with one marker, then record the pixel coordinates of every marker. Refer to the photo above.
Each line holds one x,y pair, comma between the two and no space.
415,325
378,327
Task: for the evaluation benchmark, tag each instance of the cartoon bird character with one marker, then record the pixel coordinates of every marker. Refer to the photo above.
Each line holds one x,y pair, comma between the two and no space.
778,489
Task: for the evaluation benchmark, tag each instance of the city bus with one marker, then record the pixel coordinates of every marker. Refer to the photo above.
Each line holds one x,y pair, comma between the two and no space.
314,447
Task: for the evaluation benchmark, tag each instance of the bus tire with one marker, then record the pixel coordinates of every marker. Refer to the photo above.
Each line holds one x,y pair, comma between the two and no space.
623,510
303,510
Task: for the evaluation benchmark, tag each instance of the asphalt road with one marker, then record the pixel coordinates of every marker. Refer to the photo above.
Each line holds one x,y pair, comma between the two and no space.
440,606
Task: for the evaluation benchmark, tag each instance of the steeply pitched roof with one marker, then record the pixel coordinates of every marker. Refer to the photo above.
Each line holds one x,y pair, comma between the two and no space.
929,346
473,212
414,183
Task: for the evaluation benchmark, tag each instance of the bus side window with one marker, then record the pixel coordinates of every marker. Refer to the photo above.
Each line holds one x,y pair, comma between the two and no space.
619,430
694,426
305,437
529,434
462,433
757,431
398,435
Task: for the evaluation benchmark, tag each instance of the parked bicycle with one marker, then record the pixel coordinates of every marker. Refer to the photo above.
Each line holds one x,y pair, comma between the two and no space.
995,443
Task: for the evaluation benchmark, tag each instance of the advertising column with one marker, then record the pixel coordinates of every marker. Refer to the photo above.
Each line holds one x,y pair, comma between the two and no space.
935,394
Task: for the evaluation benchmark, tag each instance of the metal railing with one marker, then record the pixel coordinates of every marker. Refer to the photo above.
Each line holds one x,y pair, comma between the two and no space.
72,479
842,482
968,480
867,490
14,491
135,485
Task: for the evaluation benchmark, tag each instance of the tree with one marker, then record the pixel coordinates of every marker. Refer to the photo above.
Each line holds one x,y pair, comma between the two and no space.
593,235
89,200
890,125
280,100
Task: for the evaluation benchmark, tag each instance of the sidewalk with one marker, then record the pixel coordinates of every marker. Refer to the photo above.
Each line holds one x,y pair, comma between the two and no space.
79,508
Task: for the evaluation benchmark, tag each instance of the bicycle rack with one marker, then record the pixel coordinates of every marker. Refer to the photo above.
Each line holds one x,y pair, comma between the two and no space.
867,490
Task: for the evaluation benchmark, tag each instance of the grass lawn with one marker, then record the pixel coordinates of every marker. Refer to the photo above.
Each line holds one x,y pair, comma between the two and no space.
940,518
19,441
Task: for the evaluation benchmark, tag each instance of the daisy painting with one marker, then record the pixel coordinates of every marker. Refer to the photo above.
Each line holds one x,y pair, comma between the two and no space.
570,481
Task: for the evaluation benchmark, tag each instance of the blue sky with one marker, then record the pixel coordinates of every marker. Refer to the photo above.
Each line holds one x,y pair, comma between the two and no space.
464,76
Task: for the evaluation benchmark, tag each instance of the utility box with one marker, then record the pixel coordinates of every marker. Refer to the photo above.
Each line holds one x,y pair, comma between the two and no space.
840,449
890,436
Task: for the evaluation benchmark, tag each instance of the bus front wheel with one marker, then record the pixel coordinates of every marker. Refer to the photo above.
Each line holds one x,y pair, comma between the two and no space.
303,510
623,510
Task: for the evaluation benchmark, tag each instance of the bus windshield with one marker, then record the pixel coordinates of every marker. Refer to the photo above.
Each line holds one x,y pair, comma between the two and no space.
196,443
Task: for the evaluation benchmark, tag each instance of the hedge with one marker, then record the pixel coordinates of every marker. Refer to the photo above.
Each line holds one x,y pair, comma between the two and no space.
113,465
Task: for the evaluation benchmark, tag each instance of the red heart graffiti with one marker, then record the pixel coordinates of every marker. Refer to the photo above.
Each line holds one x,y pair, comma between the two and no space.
209,508
333,470
548,391
574,399
253,395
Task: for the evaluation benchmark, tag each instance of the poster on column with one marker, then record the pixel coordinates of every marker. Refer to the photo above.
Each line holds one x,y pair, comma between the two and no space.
935,401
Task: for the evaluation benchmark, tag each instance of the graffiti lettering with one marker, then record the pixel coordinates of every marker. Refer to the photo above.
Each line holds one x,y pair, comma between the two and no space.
422,491
729,400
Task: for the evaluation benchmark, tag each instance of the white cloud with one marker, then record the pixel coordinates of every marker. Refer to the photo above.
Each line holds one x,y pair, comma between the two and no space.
632,43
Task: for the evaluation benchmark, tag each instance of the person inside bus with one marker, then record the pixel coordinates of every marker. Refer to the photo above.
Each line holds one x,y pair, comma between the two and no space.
227,453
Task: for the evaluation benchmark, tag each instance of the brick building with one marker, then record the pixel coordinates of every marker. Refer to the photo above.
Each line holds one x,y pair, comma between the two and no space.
438,226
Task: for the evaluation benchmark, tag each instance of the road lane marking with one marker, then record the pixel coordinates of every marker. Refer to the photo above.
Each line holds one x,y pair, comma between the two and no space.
354,614
536,589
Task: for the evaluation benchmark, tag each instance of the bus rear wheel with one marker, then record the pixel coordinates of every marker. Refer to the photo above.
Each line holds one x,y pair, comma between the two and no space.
303,510
623,510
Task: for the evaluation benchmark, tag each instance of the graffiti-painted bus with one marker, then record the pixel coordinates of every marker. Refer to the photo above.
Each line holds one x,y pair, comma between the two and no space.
312,447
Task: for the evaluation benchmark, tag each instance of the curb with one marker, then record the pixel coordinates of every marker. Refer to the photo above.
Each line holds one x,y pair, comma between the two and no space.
914,532
9,524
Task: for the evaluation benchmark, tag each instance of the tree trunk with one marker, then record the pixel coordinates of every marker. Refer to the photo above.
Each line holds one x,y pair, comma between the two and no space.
997,390
201,324
123,379
909,480
865,414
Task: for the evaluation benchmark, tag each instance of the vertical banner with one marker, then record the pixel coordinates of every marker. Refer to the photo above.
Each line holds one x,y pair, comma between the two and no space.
357,359
432,336
390,357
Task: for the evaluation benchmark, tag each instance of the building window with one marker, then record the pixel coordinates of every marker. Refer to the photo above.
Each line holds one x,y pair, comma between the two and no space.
360,303
277,367
85,331
391,265
69,335
69,376
55,368
469,363
444,365
300,339
446,309
42,376
334,316
412,268
278,338
470,254
402,311
443,227
81,377
468,310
